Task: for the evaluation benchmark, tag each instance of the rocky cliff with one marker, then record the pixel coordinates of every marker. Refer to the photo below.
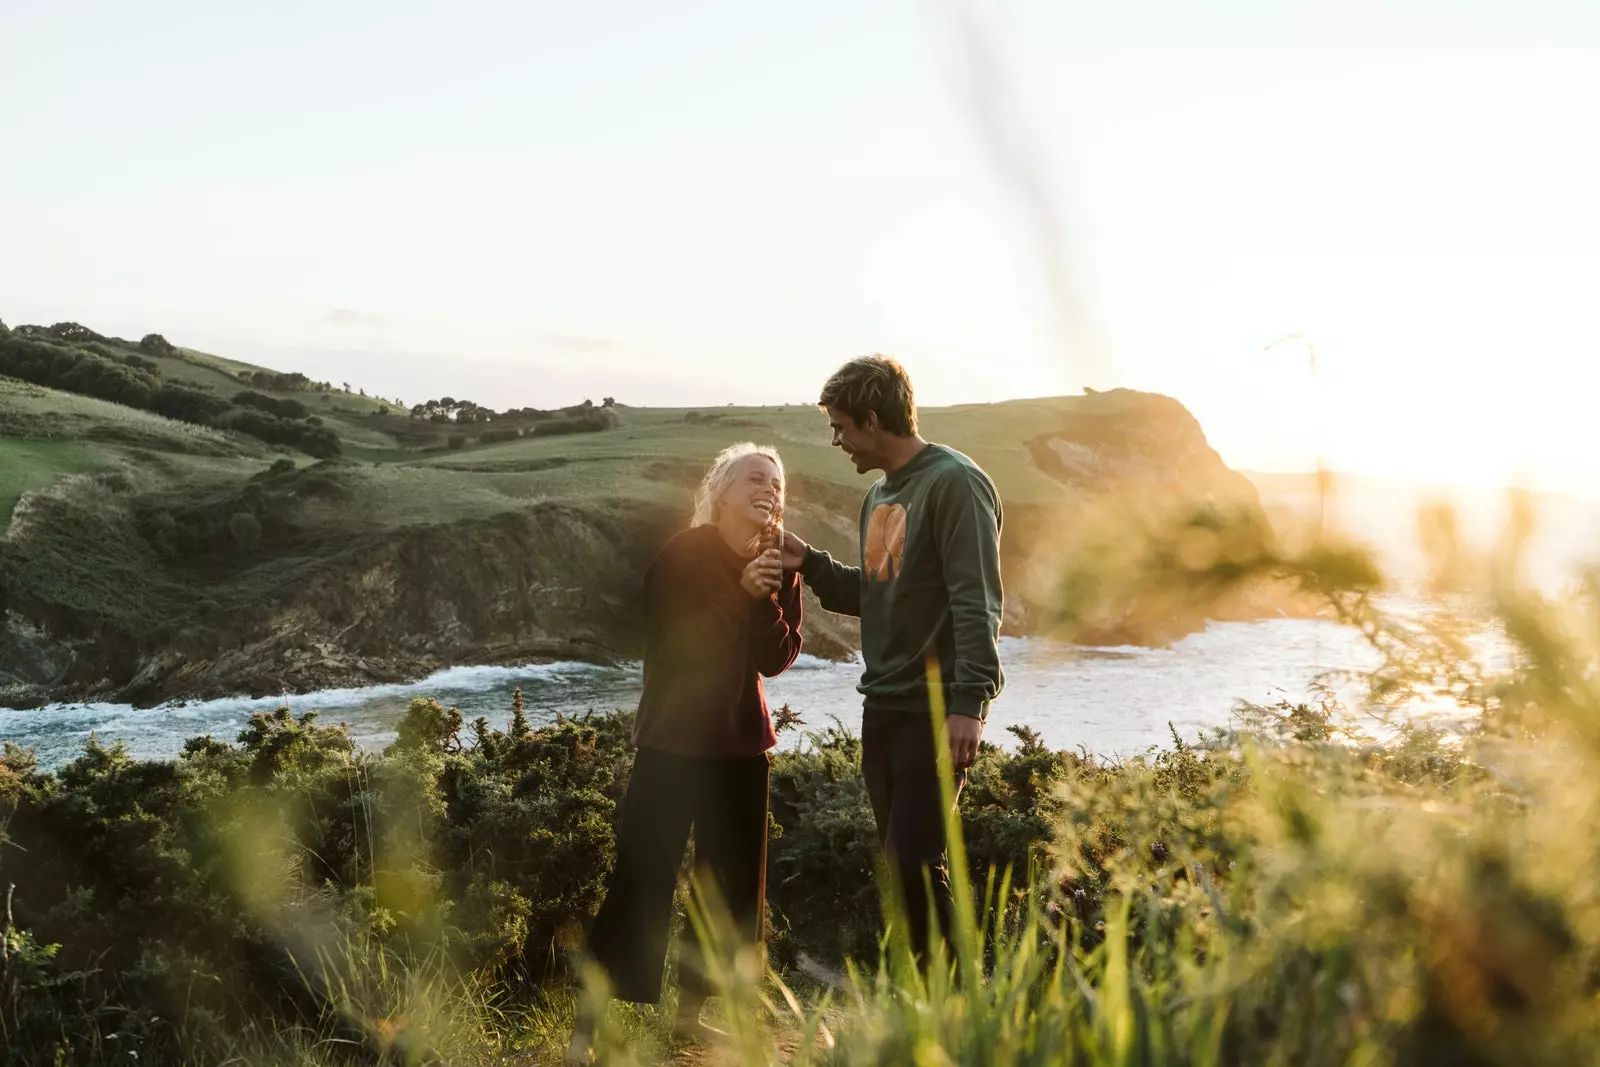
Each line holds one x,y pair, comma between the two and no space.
142,586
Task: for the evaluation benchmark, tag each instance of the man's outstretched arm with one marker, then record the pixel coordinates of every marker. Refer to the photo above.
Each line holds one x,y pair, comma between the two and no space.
837,585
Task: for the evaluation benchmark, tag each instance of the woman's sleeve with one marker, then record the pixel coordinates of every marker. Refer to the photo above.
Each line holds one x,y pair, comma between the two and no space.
696,616
775,628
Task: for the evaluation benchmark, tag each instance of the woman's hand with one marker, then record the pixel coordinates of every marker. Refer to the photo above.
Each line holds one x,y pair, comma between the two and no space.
763,575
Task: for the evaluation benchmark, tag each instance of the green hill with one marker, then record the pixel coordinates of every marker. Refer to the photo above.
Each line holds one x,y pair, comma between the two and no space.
148,559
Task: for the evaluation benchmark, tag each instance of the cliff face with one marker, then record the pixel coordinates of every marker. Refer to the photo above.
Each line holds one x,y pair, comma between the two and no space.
99,602
146,589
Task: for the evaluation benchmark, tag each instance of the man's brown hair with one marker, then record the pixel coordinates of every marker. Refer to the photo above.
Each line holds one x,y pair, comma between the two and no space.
875,384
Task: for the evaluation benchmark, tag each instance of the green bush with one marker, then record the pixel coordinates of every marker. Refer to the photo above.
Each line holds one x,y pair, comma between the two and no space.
242,862
44,362
245,529
316,441
588,421
284,408
157,345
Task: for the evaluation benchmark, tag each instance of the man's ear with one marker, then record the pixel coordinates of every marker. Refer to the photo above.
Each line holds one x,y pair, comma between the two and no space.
868,424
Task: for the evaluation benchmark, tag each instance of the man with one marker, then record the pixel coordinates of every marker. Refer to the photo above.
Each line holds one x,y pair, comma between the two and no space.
928,589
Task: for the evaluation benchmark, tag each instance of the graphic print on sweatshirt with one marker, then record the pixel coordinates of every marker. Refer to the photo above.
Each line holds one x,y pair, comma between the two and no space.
886,541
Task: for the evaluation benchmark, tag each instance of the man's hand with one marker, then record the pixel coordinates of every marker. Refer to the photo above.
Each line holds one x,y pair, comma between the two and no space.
794,550
965,733
763,575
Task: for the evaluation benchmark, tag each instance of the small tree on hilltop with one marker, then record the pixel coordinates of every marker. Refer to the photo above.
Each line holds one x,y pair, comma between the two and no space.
157,345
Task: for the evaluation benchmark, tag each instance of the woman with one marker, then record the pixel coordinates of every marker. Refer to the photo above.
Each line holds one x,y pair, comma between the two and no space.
720,613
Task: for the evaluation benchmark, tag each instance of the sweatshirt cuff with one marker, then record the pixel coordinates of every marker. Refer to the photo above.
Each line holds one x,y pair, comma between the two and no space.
971,705
815,563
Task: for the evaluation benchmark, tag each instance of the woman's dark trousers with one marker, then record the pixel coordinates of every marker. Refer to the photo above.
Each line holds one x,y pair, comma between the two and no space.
723,800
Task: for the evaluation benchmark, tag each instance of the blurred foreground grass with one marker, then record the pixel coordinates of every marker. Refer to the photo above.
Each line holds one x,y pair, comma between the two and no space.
1316,886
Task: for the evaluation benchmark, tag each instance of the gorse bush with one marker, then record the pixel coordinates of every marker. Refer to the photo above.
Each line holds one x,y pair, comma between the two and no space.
1313,886
178,899
190,895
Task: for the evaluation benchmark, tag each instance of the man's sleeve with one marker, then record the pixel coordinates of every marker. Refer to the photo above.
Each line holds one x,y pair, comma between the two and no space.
837,585
967,526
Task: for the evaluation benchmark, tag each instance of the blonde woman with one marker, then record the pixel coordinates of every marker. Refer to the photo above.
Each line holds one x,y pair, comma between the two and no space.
720,614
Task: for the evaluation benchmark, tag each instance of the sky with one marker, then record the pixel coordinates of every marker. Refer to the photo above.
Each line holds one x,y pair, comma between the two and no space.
690,203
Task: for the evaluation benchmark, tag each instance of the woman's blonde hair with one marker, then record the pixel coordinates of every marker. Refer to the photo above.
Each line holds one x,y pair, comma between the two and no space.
708,500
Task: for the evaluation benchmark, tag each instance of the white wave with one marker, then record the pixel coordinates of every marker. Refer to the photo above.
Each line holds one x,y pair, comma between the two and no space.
806,662
450,680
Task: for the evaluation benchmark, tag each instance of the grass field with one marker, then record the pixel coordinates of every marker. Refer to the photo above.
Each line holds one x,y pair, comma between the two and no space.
46,435
31,465
652,456
619,461
409,471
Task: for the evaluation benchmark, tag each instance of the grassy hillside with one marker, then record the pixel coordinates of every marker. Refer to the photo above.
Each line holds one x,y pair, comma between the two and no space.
191,559
46,435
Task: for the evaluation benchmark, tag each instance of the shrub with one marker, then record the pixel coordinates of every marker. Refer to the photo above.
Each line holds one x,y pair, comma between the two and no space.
285,408
157,345
72,331
245,529
187,403
312,440
27,356
593,421
277,383
457,441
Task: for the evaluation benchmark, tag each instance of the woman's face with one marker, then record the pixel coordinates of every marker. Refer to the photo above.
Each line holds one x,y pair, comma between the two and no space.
756,491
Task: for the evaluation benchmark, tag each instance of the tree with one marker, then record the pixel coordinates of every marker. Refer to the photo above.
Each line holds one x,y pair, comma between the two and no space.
157,345
609,402
72,331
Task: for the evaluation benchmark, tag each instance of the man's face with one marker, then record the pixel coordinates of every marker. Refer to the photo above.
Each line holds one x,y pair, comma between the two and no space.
860,443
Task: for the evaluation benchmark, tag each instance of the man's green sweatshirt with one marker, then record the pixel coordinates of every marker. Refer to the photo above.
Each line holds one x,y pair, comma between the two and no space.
928,587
